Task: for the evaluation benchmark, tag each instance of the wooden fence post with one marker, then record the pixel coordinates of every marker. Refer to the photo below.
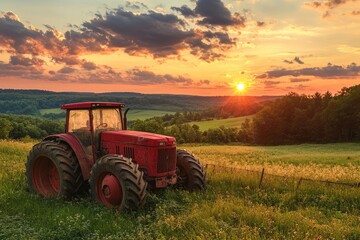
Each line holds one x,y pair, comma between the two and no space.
299,183
262,177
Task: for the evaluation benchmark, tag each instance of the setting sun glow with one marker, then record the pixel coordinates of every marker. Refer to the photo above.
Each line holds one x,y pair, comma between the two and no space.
240,87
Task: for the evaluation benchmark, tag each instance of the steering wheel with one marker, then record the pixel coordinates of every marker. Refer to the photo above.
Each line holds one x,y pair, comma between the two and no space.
104,125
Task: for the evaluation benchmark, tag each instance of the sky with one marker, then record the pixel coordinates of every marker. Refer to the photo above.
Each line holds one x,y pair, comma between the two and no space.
194,47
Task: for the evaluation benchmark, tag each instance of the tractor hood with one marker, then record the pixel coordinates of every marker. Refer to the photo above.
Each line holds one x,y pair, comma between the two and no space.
138,138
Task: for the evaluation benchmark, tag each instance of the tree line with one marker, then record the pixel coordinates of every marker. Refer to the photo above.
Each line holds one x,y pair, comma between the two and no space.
292,119
319,118
19,127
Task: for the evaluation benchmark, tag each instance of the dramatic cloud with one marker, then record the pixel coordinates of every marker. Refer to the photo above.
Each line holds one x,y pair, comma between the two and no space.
185,11
159,35
143,77
203,32
134,76
330,71
215,13
24,61
23,71
156,34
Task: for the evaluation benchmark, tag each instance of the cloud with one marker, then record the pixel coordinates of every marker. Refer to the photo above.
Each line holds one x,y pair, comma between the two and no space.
19,70
260,24
297,80
185,11
67,70
215,13
24,61
150,33
89,65
296,59
144,77
329,4
297,87
68,60
330,71
159,34
269,83
135,5
156,34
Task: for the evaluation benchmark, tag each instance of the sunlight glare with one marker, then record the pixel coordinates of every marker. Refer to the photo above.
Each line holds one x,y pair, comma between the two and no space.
240,87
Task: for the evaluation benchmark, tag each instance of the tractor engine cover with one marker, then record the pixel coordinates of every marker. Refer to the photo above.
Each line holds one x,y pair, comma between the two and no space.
155,153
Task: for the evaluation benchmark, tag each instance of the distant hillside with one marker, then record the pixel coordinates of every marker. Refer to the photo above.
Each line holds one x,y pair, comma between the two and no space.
227,123
30,102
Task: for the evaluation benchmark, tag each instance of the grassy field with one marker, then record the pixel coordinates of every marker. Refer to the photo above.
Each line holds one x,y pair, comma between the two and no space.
50,110
229,123
133,114
232,207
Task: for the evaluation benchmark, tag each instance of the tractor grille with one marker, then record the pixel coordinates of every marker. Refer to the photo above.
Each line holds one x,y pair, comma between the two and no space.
129,152
166,160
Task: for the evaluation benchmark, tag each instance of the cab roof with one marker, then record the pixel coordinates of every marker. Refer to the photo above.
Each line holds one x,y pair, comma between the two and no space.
88,105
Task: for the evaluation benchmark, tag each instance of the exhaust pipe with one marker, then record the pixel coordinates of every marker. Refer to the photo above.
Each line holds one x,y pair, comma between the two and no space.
125,118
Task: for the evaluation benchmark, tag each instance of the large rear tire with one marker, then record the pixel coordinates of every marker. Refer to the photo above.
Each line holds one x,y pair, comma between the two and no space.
52,170
190,172
117,182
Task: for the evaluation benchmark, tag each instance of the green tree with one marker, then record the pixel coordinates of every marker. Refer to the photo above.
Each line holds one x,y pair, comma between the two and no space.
5,128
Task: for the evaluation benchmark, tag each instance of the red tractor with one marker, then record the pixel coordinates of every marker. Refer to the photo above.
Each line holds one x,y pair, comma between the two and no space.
119,164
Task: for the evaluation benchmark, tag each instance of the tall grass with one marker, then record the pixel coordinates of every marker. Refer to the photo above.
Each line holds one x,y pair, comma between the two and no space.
232,207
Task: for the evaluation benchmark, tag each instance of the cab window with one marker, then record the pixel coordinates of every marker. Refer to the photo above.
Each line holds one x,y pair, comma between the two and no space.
108,118
105,119
79,125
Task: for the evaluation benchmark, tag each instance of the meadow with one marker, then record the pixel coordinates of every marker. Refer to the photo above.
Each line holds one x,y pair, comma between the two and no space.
215,123
232,206
141,114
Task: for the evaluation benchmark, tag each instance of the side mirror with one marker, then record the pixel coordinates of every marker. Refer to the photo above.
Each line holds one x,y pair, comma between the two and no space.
125,118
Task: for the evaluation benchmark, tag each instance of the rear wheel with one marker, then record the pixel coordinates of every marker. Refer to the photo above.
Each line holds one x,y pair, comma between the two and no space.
190,172
117,182
52,170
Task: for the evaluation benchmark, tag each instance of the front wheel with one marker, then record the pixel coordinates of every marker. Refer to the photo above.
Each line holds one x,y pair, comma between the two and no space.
190,172
117,182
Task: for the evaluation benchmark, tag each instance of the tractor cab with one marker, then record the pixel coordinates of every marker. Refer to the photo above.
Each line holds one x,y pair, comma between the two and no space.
87,120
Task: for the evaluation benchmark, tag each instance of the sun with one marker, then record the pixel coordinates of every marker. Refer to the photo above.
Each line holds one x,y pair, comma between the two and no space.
240,87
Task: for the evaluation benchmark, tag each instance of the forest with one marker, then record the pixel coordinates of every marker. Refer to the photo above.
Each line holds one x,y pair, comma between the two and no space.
292,119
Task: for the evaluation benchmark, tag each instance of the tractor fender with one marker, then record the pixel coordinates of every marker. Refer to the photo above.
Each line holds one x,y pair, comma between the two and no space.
84,161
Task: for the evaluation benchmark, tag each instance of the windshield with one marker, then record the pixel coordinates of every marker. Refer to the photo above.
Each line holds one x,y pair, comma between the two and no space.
107,119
